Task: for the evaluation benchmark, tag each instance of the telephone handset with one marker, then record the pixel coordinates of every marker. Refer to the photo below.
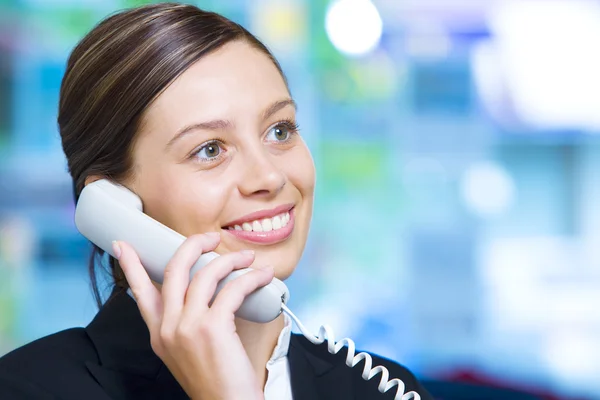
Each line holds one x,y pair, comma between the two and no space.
107,211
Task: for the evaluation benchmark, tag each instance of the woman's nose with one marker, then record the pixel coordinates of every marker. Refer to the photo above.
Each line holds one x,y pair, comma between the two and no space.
261,175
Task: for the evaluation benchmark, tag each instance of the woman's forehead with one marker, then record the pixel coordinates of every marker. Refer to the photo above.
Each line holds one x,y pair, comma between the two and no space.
237,80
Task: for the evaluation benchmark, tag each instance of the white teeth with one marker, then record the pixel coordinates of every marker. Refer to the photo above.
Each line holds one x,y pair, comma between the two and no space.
267,225
277,222
264,225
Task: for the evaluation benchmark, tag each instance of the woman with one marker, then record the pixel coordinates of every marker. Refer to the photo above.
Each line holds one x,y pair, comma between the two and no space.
192,113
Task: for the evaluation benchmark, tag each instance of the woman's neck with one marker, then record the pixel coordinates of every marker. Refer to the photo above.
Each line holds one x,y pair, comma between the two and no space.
259,340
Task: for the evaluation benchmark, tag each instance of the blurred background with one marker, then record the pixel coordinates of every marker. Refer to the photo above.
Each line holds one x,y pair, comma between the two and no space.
456,141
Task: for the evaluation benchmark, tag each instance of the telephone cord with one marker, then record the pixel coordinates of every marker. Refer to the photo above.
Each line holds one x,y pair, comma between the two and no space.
326,333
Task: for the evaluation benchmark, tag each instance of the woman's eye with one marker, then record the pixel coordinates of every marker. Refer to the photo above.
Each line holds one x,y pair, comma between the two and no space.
208,151
281,132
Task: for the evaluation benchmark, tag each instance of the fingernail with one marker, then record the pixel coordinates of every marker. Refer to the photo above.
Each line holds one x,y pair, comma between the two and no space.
116,249
213,234
248,252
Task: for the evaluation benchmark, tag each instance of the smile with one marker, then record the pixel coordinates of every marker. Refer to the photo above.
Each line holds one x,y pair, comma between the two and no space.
265,224
265,231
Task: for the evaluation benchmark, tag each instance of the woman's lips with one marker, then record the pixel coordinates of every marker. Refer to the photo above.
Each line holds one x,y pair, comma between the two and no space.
266,238
262,214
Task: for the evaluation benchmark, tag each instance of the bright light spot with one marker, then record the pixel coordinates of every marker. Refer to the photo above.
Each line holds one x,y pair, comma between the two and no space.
488,189
486,63
550,59
353,26
572,355
509,262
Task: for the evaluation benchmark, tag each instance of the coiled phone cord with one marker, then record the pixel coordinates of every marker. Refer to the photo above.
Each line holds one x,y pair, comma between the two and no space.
326,333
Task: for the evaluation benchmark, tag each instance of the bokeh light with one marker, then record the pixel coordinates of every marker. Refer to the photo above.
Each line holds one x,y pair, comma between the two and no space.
353,26
488,189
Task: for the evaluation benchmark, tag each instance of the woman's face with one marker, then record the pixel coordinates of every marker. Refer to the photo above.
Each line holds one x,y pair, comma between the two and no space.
218,150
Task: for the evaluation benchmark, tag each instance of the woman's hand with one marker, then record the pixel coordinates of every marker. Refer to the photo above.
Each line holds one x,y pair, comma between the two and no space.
197,341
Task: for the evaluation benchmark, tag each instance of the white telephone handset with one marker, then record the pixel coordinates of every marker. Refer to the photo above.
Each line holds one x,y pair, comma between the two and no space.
107,211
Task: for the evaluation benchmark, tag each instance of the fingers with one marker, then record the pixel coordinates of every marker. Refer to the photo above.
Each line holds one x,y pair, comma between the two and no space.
204,283
177,273
148,297
231,297
164,309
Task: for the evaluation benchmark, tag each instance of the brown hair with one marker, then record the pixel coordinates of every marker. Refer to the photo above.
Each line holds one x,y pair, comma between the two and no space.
115,73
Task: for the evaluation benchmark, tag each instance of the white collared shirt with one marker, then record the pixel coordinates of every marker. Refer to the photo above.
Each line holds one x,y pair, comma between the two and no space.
279,385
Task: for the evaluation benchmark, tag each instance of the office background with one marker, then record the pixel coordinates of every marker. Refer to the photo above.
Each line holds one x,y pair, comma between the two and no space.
456,225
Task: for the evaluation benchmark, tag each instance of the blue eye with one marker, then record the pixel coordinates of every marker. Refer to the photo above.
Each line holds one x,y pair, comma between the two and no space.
282,132
208,151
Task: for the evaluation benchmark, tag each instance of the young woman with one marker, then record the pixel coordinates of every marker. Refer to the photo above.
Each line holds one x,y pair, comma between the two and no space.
192,113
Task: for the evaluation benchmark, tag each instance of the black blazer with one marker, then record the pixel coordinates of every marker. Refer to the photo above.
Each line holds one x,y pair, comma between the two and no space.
112,359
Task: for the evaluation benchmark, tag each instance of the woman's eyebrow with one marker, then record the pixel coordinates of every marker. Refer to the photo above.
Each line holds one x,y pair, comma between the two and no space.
215,125
278,105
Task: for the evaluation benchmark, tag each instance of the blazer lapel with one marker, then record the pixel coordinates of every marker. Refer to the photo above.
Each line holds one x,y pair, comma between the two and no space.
127,368
315,375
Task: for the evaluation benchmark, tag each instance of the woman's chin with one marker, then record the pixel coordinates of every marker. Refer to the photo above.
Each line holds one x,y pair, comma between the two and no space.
283,272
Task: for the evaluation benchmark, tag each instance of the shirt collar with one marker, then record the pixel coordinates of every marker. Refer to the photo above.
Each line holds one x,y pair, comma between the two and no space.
283,342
